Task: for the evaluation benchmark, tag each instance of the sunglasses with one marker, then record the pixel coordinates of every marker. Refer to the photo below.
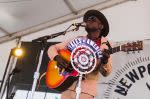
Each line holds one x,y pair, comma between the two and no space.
92,18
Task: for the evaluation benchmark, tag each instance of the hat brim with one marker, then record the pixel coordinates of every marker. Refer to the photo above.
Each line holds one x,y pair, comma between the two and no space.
101,17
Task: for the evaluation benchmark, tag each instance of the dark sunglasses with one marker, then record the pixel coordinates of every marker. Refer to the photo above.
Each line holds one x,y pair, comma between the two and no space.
92,18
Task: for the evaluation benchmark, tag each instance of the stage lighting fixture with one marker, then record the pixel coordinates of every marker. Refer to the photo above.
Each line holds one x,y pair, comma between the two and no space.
17,52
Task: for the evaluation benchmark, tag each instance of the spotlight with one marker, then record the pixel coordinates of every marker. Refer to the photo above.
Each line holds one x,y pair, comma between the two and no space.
18,52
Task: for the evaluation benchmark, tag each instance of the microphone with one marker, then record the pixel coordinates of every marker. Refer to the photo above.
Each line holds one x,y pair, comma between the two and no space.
79,24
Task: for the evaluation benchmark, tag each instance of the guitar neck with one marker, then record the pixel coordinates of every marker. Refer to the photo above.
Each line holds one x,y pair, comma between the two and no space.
134,46
115,49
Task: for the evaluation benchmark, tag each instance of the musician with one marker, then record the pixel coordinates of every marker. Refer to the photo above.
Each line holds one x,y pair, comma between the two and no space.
97,29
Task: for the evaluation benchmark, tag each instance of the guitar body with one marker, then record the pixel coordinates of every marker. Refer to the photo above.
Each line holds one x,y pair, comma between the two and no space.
55,79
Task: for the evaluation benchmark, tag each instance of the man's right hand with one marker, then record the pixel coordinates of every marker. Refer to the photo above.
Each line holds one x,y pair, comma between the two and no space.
63,64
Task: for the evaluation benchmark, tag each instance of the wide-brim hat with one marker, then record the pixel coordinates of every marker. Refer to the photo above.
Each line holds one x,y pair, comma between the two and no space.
101,17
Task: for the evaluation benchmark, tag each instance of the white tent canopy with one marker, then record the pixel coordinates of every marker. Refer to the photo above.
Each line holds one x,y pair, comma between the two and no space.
22,17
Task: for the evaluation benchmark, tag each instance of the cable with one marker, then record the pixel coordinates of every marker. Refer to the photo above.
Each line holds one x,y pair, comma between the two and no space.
45,93
27,94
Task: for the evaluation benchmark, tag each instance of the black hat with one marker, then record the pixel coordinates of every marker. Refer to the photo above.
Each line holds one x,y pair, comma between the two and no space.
101,17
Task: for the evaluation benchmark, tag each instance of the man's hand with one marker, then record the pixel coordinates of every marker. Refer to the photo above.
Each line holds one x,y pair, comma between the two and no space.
105,57
103,66
63,64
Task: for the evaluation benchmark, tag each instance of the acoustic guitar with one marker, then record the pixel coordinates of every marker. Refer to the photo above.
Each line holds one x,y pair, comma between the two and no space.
62,80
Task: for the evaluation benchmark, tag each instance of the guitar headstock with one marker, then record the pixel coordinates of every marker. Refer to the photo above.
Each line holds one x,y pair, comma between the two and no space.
134,46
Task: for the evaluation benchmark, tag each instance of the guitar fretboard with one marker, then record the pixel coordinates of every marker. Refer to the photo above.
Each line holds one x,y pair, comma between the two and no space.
115,49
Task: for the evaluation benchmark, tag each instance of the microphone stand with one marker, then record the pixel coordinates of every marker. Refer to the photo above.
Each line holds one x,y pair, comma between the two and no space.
78,88
45,38
43,41
15,70
8,84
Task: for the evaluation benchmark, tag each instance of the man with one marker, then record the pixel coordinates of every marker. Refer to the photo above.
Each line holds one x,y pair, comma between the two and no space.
97,28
